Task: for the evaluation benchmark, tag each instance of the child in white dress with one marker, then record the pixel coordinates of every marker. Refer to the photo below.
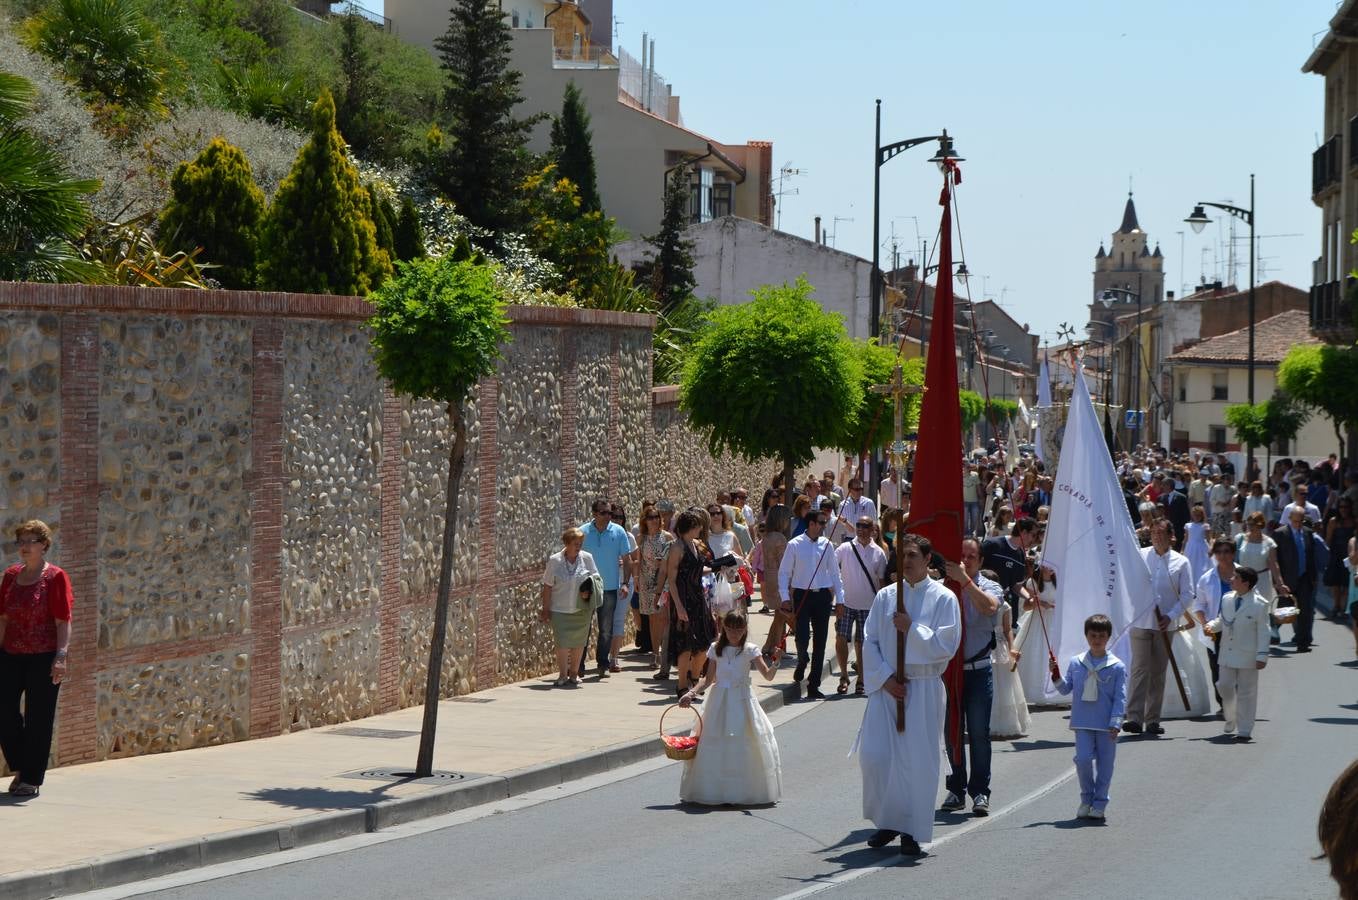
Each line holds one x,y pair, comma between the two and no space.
737,761
1196,544
1008,708
1034,660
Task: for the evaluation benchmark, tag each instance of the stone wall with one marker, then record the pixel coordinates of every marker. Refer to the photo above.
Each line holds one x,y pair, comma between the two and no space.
252,521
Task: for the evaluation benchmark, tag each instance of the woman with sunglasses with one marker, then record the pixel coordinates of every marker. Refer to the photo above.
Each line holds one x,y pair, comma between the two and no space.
35,632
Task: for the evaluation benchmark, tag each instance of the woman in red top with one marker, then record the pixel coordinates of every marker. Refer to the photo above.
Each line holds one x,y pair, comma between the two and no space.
35,630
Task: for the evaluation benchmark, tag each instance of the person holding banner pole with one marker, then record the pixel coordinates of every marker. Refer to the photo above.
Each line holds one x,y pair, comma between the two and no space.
1172,584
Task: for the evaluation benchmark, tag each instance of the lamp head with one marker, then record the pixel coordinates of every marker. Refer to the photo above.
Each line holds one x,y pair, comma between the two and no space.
1198,219
946,151
962,274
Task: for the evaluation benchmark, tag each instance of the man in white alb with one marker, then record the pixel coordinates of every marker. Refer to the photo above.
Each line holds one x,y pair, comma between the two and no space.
901,769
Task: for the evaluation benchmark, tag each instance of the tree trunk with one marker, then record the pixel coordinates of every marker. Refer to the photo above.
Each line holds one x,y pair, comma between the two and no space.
787,491
424,765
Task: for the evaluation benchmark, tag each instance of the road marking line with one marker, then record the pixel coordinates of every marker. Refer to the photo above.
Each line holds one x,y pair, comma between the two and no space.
854,874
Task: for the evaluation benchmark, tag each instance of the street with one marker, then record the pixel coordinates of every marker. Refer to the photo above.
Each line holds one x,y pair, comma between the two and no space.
1189,815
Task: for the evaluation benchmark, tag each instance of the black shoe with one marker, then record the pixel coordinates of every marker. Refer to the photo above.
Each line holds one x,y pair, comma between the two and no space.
1131,727
1306,649
1274,641
1155,728
814,694
910,846
800,672
882,838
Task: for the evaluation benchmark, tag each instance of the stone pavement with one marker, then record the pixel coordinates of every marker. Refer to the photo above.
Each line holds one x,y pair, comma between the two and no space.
121,820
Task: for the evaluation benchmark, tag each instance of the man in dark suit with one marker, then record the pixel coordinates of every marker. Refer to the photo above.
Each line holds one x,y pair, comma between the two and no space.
1176,509
1297,563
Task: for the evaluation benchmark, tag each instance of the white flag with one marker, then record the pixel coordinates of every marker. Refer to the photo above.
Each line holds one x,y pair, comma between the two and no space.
1090,542
1044,386
1024,415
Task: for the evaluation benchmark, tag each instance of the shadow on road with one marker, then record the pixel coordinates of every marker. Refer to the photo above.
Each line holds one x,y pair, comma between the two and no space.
322,798
1021,746
1068,824
1333,720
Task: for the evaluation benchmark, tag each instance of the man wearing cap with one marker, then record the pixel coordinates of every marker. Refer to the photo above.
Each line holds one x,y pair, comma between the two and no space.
862,569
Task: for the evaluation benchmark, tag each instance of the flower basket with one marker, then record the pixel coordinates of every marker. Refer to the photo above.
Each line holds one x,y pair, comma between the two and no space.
1286,615
680,746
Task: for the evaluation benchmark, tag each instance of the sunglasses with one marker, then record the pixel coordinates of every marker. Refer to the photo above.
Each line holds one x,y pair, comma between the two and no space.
652,516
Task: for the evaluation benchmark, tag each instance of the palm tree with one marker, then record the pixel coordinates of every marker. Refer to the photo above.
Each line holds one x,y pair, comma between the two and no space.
42,210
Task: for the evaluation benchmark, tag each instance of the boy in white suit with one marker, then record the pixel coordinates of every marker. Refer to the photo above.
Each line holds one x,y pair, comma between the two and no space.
1242,623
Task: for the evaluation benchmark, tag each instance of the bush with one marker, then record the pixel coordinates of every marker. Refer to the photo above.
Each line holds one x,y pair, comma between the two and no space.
216,205
317,236
108,48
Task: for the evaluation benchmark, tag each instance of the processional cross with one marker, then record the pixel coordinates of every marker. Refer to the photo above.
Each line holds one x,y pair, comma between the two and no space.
898,390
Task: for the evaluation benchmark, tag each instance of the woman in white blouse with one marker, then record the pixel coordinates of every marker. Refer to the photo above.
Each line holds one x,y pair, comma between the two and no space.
563,606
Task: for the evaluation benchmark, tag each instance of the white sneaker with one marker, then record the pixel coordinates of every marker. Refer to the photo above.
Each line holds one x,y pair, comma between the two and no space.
1096,814
1083,811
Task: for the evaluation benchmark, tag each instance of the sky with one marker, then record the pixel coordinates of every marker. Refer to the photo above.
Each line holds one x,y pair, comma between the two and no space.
1055,105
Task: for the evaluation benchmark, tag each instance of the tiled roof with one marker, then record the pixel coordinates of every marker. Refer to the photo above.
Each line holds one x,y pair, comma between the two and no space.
1273,337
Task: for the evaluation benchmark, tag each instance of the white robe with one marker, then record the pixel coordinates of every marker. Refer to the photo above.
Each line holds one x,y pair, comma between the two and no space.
901,770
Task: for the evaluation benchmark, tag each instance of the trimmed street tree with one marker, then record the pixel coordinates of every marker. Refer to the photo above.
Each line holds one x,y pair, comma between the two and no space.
1264,424
215,204
874,425
973,407
483,159
572,151
437,331
669,271
318,236
774,377
1324,377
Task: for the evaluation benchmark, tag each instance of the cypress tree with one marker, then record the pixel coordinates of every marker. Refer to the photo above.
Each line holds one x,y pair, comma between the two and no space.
215,204
572,151
384,221
484,159
357,110
318,236
408,237
670,270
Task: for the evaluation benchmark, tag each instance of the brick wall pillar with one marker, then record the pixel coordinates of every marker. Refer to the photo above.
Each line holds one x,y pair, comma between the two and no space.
389,599
79,535
266,538
487,579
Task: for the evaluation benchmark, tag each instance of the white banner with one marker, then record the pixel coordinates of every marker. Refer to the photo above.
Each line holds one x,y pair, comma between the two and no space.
1090,542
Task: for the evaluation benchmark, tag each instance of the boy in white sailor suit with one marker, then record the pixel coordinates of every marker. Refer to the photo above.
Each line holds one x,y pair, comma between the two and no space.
1242,623
1098,680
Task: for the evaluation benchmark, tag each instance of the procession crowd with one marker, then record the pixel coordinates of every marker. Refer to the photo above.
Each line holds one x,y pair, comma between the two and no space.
1232,562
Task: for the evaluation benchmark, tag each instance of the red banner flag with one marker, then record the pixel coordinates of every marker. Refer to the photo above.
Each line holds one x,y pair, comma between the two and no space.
936,487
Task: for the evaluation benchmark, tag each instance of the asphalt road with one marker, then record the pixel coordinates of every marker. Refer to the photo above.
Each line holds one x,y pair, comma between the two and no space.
1189,816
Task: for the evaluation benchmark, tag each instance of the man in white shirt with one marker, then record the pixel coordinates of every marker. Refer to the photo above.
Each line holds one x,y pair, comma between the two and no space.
1172,582
809,582
862,568
741,499
1221,496
1300,501
854,508
889,492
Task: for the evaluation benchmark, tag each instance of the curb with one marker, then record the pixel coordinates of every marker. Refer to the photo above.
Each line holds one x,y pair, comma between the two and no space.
166,859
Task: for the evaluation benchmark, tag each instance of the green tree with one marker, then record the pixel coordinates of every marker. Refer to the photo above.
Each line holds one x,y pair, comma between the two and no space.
574,241
384,221
358,96
408,236
437,330
1324,377
874,425
675,334
484,159
572,150
215,204
973,407
42,208
669,269
1265,424
318,236
774,377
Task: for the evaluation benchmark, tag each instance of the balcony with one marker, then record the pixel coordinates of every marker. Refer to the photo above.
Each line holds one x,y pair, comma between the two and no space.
1325,166
1332,308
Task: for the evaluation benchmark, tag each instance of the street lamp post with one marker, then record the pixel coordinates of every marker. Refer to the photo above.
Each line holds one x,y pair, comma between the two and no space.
1199,220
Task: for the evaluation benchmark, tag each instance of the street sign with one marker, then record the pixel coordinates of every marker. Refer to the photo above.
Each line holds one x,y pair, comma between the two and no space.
1133,419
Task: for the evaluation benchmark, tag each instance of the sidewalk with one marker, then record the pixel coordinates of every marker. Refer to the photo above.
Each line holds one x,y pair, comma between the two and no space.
122,820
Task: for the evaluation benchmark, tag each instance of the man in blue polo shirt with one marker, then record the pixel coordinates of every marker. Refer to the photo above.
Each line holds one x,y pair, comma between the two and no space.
608,544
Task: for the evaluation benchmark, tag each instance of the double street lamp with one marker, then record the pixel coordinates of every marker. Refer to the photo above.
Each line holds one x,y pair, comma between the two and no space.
1199,220
880,156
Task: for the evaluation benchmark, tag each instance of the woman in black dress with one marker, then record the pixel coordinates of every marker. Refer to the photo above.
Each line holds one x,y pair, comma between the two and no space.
1342,526
691,631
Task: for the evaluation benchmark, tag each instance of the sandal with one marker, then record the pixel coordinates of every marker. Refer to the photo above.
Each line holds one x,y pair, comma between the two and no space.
858,689
843,685
561,682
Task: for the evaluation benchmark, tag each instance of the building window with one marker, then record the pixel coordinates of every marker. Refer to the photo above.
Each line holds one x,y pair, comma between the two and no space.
1183,388
722,199
1218,439
514,19
700,197
1220,385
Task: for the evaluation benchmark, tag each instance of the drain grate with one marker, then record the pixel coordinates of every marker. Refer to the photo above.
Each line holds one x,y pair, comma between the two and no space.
472,699
401,773
388,733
